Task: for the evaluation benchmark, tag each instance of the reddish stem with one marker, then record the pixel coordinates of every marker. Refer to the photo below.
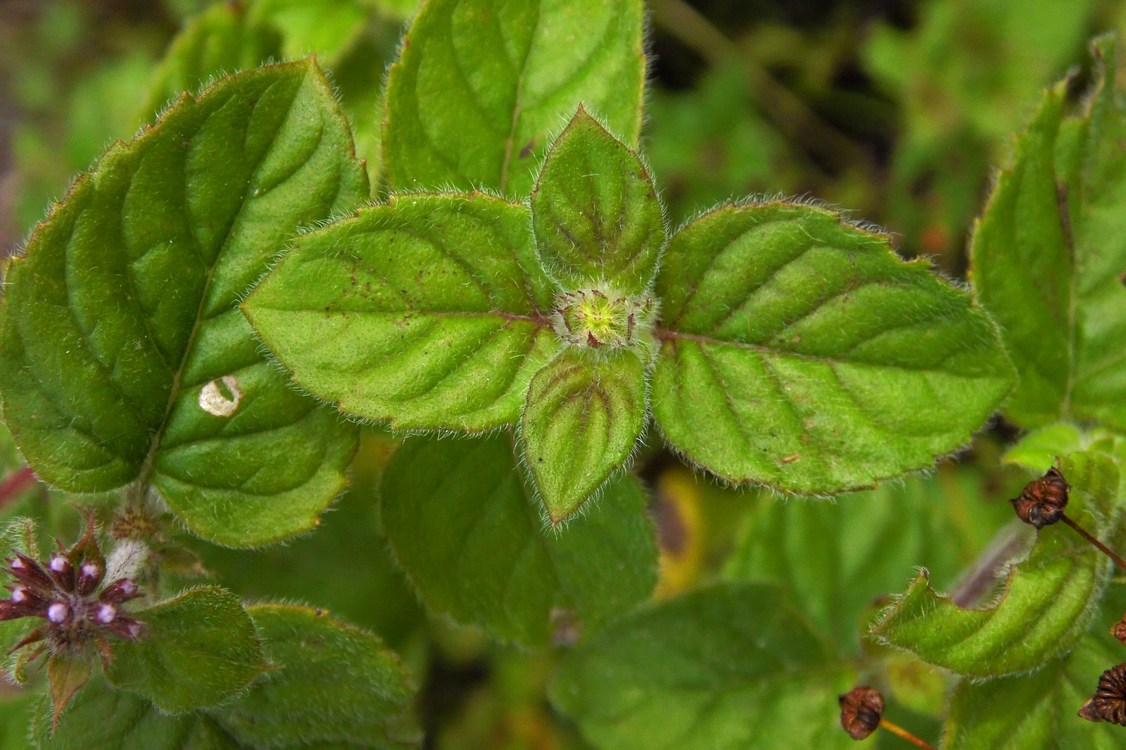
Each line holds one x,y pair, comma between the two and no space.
901,732
1083,533
14,484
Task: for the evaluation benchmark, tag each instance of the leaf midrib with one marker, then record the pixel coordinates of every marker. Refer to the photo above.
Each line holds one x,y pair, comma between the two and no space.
148,466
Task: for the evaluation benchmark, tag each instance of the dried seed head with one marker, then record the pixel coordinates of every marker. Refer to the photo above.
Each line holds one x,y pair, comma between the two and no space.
1109,701
1042,501
1119,630
861,710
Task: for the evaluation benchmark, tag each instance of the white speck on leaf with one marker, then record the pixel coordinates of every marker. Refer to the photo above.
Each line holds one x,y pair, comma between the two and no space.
221,396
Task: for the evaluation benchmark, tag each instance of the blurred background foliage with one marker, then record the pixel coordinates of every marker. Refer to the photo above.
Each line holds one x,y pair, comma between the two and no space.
895,110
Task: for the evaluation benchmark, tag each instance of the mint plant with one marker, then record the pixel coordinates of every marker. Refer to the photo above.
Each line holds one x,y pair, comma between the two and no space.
461,290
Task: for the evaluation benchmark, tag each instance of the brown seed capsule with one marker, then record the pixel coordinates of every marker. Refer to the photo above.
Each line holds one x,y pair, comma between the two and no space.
1042,501
861,710
1109,701
1119,630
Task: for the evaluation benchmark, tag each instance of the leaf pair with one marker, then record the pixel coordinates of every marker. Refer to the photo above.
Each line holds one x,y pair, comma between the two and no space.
792,349
434,312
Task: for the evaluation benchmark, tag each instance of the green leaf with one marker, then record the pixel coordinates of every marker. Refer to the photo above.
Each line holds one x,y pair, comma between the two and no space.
373,594
1038,450
200,648
726,667
221,38
1048,598
480,86
584,415
66,673
424,312
16,710
326,28
334,684
119,329
100,718
1039,710
595,211
464,528
1049,254
836,559
798,351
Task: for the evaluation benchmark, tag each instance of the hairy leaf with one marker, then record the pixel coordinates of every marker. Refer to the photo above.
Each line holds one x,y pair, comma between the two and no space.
221,38
1039,709
595,211
481,86
837,559
333,684
799,352
123,356
464,528
16,711
1048,598
100,718
584,415
1048,256
726,667
424,312
200,648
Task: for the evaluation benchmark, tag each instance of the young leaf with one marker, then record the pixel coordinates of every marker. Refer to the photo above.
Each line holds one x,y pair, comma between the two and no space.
595,211
1039,709
799,352
100,717
731,667
584,415
123,356
836,559
424,312
481,85
1049,253
467,533
333,684
1048,597
66,673
200,648
221,38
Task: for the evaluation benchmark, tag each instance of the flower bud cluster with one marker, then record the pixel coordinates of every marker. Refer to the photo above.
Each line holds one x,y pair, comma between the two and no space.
67,592
603,317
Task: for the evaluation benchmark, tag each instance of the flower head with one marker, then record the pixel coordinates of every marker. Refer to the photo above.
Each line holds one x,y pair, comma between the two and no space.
70,593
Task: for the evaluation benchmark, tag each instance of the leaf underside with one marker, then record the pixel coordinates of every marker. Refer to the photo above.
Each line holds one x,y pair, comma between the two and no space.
124,309
1039,710
800,352
1047,601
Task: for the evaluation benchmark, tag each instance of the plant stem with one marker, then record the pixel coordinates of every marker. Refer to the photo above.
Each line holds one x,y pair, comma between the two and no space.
901,732
1083,533
14,484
